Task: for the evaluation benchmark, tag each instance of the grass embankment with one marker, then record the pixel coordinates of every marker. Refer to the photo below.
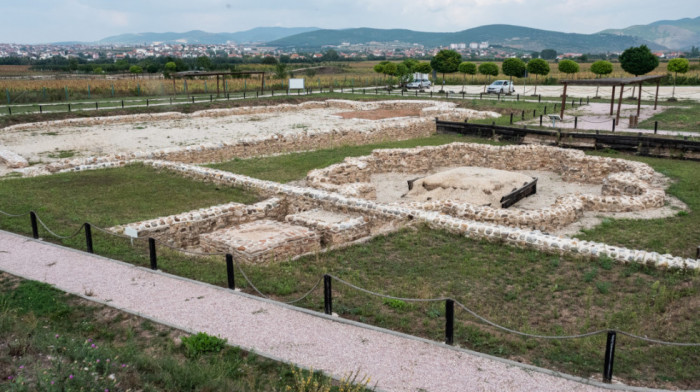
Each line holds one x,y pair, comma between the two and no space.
57,342
521,289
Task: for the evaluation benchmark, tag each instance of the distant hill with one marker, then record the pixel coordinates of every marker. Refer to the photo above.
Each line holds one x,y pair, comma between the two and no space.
524,38
258,34
673,34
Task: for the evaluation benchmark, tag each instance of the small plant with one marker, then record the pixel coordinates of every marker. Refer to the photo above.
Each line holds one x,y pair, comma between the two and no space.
590,275
396,304
202,343
603,287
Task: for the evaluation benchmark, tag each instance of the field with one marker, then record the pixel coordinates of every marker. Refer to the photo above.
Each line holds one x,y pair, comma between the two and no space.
521,289
346,75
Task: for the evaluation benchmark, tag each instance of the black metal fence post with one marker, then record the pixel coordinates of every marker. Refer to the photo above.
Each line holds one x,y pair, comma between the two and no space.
540,120
327,295
449,321
35,227
192,99
97,107
609,357
511,118
229,272
147,103
613,126
88,237
152,253
40,109
68,108
122,104
576,122
656,126
522,115
9,110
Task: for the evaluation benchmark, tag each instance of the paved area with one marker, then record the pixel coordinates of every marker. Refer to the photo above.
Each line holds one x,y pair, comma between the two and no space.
395,362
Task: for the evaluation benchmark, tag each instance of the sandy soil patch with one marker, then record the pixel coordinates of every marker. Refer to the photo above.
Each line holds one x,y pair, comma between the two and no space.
379,114
476,185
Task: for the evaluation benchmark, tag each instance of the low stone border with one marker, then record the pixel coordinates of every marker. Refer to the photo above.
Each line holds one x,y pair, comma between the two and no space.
626,184
315,198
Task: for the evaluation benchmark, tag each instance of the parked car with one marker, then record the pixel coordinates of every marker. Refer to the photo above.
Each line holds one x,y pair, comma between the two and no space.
501,87
419,83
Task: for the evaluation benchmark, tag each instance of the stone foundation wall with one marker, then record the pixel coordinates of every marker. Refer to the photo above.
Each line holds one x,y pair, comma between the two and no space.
388,129
183,230
626,184
397,216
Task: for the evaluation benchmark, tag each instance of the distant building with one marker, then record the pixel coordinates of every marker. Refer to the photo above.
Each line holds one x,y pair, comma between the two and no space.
484,45
458,46
473,45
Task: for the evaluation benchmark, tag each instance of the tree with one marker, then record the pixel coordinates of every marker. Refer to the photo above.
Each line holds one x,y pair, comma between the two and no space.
548,54
677,65
423,67
330,55
269,60
389,69
446,61
403,74
599,68
135,70
169,68
568,67
203,62
513,67
410,64
537,67
280,70
489,69
638,60
379,68
98,71
467,68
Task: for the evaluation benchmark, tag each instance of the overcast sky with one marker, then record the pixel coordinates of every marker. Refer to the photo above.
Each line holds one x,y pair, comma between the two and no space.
41,21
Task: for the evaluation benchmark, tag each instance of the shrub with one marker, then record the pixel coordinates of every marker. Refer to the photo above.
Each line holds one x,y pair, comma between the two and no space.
202,343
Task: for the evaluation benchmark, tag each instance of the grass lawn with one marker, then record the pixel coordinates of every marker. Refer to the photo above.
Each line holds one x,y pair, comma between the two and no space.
686,117
57,342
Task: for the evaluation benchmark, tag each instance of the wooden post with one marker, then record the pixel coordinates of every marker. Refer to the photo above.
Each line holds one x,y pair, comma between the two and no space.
217,86
639,100
563,102
612,100
619,105
656,97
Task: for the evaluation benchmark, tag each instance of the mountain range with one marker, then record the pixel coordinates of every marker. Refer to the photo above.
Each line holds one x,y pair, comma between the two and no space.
258,35
524,38
665,34
673,34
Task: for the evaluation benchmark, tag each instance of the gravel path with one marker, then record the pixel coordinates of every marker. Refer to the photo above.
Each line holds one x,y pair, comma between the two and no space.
394,362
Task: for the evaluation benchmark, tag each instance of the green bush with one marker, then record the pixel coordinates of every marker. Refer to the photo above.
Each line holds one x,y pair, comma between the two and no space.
201,343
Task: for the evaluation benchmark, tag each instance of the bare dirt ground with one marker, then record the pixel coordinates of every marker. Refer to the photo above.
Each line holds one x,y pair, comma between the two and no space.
391,187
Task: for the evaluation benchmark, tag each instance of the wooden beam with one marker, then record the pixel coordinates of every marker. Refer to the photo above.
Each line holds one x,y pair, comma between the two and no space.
619,105
563,102
612,101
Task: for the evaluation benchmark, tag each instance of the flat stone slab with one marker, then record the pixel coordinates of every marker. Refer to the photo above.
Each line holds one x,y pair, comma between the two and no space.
262,241
335,227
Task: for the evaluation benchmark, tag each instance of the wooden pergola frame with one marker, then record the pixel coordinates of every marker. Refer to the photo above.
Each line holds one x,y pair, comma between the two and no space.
186,74
614,82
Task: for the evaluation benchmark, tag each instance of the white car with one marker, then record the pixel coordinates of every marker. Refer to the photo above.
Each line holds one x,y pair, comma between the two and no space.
501,87
420,83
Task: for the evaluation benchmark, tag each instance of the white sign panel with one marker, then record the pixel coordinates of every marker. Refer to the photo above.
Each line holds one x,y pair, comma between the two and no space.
296,84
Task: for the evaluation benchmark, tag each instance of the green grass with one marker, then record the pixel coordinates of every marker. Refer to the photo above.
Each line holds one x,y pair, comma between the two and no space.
58,342
295,166
678,235
684,118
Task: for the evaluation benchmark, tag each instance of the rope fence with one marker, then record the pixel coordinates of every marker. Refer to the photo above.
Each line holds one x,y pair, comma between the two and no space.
328,296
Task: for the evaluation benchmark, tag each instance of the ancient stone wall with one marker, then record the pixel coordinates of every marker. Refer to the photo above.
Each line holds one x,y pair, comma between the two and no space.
183,230
626,184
